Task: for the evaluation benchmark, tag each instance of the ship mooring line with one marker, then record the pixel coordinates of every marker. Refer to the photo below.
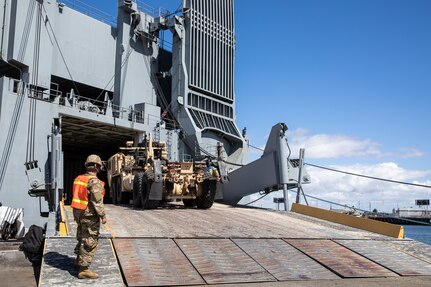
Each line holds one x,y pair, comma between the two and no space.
370,177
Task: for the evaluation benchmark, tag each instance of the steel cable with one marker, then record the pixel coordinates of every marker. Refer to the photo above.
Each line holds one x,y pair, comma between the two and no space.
370,177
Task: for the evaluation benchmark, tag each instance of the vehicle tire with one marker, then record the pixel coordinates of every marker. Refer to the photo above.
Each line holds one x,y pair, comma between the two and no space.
189,202
152,204
206,199
120,196
145,191
138,183
114,190
146,202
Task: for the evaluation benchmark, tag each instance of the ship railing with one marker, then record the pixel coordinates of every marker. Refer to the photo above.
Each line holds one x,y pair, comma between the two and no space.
105,17
107,108
90,11
148,9
55,96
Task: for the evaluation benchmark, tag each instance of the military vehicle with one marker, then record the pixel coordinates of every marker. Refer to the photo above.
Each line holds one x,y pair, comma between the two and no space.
144,175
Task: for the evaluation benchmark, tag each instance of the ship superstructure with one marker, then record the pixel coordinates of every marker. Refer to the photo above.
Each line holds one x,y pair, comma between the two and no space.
73,85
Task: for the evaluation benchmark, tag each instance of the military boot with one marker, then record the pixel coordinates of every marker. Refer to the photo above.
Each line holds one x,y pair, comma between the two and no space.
85,273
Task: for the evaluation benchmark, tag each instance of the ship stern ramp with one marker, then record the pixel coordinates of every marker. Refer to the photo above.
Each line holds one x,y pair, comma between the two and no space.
271,172
178,246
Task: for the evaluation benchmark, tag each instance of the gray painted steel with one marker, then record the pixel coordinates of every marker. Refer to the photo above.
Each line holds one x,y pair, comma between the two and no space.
273,171
74,85
88,73
74,62
203,61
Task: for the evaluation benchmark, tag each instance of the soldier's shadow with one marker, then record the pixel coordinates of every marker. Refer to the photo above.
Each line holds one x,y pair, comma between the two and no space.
62,262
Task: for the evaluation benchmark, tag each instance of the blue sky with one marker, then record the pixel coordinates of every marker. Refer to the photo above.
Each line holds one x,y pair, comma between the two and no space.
351,78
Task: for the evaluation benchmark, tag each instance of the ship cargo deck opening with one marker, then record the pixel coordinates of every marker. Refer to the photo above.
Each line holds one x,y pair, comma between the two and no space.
80,138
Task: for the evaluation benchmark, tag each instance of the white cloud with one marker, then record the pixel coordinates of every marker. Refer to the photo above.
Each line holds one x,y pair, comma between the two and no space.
360,192
332,146
352,190
409,152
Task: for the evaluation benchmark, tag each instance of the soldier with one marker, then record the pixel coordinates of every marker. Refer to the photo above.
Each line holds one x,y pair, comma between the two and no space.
212,172
88,211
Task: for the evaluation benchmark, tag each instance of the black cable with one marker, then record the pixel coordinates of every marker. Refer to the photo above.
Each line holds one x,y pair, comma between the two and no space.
231,163
256,199
255,147
370,177
31,132
59,49
129,52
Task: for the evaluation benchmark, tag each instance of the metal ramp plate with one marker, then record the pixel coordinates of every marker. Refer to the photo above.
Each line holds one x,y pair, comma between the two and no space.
58,270
414,248
154,262
339,259
389,257
283,261
221,261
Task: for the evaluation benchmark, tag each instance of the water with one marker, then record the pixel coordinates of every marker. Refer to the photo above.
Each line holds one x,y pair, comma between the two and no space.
418,232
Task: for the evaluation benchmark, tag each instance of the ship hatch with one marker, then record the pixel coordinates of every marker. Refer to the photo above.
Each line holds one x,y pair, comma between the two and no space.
82,137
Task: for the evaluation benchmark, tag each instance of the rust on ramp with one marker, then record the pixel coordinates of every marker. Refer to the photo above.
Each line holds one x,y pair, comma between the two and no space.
221,261
154,262
339,259
283,261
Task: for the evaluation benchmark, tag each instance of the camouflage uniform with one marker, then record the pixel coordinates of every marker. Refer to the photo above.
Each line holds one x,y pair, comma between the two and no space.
213,176
89,222
212,173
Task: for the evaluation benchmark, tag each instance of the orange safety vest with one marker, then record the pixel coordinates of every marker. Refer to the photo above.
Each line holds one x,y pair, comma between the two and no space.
80,191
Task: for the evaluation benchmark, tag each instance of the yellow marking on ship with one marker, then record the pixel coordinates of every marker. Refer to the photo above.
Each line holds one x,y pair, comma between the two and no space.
110,230
63,226
375,226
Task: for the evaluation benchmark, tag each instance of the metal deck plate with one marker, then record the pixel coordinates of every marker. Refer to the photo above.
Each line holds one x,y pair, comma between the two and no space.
221,261
393,259
283,261
339,259
154,262
58,269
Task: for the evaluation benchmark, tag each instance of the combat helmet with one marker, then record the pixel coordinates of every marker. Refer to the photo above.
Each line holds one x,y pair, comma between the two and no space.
92,158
